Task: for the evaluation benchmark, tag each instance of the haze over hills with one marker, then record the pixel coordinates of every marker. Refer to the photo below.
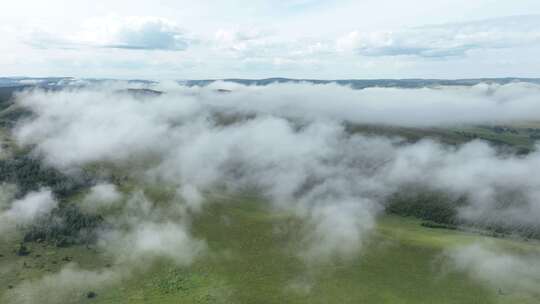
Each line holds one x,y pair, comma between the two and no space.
354,83
238,191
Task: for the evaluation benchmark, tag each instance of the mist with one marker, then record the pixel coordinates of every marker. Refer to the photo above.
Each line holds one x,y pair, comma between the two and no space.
507,271
24,211
429,106
289,143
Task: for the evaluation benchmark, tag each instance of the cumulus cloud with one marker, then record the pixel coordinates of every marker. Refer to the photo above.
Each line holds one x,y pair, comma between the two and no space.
144,33
447,39
134,33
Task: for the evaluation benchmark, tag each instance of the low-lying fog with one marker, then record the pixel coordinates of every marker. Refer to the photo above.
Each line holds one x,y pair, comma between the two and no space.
290,143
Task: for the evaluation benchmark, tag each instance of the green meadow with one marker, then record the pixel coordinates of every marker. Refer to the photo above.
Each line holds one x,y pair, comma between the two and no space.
252,257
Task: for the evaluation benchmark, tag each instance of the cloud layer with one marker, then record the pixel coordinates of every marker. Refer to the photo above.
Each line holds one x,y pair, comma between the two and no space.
446,40
286,142
125,45
132,33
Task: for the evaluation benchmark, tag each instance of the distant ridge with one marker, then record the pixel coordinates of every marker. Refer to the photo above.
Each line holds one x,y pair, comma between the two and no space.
367,83
59,82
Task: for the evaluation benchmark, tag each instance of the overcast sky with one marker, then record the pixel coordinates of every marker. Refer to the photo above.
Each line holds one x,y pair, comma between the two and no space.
180,39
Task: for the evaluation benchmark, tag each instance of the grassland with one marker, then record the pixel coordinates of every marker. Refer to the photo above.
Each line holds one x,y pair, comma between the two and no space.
519,136
252,259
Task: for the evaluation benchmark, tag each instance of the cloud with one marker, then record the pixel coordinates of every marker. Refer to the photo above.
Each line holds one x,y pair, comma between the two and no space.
126,117
133,33
148,241
263,49
483,103
339,229
510,273
71,282
101,196
142,33
234,36
179,144
34,204
287,142
446,40
247,43
502,190
135,235
25,210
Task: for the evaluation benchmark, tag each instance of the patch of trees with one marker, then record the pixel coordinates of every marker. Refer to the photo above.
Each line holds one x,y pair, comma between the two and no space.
140,93
7,93
425,204
430,224
503,129
534,134
10,113
467,135
31,174
65,226
499,229
23,250
10,116
439,210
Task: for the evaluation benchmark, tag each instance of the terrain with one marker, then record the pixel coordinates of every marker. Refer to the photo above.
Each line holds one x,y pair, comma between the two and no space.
255,251
253,263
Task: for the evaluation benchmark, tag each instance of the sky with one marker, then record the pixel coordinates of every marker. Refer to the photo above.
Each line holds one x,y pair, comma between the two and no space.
261,38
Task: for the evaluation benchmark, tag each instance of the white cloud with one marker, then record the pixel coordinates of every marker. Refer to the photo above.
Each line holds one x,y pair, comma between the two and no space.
445,40
134,33
157,240
295,152
482,103
501,190
145,232
69,283
23,211
510,273
288,46
145,33
101,196
33,205
234,36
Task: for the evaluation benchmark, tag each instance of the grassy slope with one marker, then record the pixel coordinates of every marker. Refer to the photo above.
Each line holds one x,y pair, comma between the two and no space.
251,260
517,135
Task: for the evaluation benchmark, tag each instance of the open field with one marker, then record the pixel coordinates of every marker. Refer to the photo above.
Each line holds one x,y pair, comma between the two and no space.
520,136
251,259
